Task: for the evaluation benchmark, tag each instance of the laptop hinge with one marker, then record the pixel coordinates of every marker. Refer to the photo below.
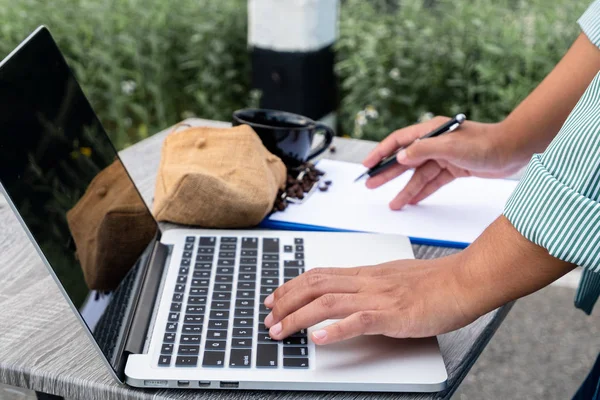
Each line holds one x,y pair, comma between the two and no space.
146,300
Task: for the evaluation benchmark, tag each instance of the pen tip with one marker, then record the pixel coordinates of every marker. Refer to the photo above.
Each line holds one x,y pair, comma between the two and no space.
360,177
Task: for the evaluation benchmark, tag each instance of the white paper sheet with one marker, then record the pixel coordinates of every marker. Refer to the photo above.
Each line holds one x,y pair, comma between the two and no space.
458,212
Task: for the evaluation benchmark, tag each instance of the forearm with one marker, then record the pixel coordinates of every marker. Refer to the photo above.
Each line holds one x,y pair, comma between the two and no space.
501,266
534,123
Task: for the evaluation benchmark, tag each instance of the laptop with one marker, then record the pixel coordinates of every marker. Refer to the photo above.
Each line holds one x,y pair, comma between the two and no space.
180,308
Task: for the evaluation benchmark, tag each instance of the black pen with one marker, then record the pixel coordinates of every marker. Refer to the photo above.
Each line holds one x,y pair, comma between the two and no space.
391,160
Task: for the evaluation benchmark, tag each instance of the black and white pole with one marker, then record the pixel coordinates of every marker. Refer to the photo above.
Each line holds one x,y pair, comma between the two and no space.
291,43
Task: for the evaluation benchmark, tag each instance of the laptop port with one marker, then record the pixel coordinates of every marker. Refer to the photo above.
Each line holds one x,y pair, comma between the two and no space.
204,383
230,385
183,383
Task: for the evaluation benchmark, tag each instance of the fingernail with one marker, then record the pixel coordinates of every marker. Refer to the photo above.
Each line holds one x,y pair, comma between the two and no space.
269,300
320,335
401,156
276,329
269,320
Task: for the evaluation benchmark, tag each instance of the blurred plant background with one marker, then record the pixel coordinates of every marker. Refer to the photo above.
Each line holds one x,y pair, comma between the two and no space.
146,64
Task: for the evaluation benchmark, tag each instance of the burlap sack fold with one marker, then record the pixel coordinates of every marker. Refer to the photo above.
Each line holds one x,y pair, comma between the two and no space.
111,227
217,178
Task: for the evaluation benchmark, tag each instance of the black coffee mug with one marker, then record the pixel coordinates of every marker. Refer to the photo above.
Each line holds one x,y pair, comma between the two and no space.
288,136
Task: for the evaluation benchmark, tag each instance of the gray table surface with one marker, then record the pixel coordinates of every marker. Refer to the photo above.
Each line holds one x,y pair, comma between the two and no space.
44,348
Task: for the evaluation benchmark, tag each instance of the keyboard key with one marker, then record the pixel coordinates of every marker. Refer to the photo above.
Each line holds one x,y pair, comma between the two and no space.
187,254
267,289
193,319
269,282
181,279
298,241
263,308
228,239
218,324
186,361
195,310
225,271
227,247
200,282
206,250
295,341
270,273
191,339
184,270
270,245
225,262
270,265
227,254
266,355
178,297
164,361
179,288
247,277
295,351
202,274
198,291
221,296
248,261
195,300
185,262
299,248
204,266
219,314
245,343
166,348
223,287
288,249
189,350
249,243
171,327
293,263
242,332
249,253
240,358
270,257
208,241
169,337
301,333
265,338
244,303
190,239
248,268
215,345
245,294
246,286
220,305
189,246
244,312
242,322
192,329
223,278
204,258
213,359
292,272
299,256
295,362
173,317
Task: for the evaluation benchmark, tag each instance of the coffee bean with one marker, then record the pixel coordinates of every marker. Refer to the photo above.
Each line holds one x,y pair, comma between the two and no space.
323,188
332,149
328,183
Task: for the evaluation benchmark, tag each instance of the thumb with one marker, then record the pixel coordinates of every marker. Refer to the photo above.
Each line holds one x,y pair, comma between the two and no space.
439,148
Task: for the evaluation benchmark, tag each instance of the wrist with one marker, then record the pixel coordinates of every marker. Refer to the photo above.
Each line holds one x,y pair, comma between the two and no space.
507,141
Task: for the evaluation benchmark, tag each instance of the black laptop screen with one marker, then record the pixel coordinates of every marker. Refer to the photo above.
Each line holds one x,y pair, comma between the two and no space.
63,176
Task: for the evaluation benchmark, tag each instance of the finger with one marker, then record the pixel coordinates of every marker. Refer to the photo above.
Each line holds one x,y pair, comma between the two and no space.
399,138
315,286
305,279
422,176
442,179
329,306
357,324
437,148
386,176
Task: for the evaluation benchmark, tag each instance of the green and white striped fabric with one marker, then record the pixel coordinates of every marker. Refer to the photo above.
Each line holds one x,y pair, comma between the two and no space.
557,203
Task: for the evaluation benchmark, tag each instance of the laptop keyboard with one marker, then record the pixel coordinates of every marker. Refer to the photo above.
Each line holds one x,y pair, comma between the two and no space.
224,326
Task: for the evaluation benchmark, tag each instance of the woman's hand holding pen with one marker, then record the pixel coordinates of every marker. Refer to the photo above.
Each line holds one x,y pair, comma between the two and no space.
475,149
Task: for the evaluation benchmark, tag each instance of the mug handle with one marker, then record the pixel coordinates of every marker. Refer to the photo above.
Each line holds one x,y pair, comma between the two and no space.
329,134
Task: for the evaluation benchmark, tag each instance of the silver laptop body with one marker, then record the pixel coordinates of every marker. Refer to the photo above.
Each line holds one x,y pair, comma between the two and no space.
181,308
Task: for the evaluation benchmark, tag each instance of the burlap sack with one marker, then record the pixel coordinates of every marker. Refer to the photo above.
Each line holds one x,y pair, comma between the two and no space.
216,178
111,227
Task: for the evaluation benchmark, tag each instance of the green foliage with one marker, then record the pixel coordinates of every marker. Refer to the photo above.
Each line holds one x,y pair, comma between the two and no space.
480,57
144,64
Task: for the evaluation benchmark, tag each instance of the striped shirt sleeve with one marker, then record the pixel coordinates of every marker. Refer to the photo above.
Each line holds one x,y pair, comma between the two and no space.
557,203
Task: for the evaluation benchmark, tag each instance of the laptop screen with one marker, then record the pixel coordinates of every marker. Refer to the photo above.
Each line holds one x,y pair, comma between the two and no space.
64,178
